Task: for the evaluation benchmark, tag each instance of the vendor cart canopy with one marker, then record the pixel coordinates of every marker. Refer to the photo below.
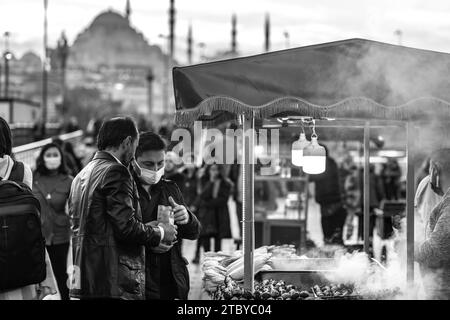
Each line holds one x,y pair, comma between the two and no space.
354,79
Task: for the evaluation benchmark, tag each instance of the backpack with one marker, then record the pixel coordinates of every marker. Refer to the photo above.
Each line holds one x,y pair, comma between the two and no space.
22,246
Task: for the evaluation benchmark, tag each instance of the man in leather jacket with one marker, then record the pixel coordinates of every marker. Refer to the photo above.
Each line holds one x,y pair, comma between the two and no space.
167,276
108,234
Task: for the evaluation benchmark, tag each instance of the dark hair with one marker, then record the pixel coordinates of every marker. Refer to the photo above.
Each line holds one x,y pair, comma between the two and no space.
40,163
57,140
150,141
5,138
114,131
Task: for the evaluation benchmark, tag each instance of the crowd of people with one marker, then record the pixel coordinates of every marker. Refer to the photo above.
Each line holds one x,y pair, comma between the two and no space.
339,193
118,221
125,212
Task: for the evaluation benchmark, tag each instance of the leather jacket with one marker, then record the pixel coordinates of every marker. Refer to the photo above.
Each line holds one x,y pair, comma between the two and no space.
108,235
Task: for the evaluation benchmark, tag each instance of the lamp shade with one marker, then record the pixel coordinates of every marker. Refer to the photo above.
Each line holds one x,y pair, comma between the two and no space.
314,158
297,150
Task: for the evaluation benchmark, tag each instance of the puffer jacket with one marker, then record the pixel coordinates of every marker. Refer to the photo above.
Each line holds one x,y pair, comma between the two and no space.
108,235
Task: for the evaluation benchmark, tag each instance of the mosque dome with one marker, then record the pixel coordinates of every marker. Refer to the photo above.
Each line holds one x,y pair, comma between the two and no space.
111,42
110,20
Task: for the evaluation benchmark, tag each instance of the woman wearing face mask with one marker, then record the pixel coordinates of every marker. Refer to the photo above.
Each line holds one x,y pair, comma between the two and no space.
51,185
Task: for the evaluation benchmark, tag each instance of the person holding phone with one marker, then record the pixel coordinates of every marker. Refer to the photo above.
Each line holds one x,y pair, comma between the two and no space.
166,274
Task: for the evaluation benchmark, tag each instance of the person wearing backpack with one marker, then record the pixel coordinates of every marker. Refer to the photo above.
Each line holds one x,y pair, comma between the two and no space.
51,185
30,278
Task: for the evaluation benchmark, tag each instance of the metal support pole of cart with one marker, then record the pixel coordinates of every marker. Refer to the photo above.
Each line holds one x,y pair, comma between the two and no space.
248,230
410,206
366,187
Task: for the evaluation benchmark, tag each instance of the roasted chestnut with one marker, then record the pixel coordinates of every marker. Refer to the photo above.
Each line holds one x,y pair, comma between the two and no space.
274,293
247,295
266,295
285,296
304,294
295,295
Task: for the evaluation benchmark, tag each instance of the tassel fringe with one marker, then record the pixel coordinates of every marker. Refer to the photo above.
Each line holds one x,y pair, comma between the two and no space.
212,109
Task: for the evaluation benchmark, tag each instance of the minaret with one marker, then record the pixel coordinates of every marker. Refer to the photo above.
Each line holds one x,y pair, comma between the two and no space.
233,34
267,33
189,44
128,10
171,28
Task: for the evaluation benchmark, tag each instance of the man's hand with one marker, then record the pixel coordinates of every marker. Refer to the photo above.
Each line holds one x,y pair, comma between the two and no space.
163,247
170,232
153,223
180,213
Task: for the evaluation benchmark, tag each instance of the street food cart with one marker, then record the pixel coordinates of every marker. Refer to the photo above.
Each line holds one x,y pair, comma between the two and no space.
352,83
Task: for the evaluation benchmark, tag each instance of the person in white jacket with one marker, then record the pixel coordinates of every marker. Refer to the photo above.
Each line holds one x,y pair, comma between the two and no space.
424,202
433,254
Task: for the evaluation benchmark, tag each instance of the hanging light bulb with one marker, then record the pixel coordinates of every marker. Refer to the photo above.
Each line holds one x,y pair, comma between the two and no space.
297,149
314,155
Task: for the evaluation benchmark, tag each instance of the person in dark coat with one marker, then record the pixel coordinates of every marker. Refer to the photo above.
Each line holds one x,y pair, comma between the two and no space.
51,186
108,233
377,194
167,276
391,175
328,196
171,170
190,186
213,208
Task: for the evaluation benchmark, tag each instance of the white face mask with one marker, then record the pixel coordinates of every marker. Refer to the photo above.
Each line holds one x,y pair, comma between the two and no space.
52,163
151,176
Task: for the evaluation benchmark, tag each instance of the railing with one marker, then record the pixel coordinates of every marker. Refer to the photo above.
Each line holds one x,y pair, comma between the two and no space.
29,152
24,133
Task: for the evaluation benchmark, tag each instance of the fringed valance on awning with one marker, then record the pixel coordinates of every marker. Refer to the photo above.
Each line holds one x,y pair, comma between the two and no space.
355,79
421,109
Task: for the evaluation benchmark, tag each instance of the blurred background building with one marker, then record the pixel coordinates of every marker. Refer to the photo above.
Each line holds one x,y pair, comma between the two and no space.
110,68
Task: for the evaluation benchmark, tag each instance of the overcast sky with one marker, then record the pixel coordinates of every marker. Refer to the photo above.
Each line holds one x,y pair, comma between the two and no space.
425,24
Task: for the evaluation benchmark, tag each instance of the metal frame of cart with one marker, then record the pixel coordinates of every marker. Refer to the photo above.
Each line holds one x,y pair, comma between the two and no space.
270,85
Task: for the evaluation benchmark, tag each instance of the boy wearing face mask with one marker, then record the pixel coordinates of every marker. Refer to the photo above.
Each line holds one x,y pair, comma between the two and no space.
433,253
51,186
167,276
109,235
